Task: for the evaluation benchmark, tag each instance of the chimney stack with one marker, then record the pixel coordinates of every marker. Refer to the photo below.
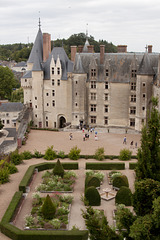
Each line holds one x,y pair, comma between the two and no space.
149,48
102,51
122,48
90,48
46,46
73,52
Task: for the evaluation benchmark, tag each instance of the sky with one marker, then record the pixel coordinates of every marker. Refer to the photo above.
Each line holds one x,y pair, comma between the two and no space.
135,23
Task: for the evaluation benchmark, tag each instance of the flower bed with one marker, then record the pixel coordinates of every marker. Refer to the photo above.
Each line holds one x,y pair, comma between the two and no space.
53,182
36,219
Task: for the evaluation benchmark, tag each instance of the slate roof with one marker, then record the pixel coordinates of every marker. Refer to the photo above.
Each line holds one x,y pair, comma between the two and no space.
67,65
11,107
37,47
78,68
21,64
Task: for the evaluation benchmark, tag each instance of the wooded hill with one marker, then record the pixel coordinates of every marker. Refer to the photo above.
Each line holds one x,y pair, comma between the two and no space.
20,51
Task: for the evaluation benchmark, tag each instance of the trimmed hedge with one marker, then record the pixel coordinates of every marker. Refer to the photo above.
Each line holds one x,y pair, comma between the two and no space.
42,166
124,196
16,234
92,196
120,181
92,181
106,166
132,166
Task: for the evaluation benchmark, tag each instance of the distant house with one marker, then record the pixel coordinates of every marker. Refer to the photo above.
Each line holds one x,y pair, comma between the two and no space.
9,112
20,67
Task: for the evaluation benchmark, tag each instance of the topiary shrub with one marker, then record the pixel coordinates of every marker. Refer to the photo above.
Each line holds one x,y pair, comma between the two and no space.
26,155
58,169
16,158
92,181
124,196
74,153
120,181
125,154
50,154
37,154
99,154
4,175
48,208
11,168
92,196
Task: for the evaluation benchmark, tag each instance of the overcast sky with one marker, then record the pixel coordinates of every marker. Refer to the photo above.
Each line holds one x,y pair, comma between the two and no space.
134,23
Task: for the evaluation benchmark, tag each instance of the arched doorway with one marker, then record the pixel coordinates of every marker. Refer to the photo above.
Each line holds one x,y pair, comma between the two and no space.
62,122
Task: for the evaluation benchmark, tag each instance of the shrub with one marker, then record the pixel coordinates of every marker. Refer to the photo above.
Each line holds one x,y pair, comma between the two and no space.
132,165
48,208
92,181
92,196
56,223
50,154
37,154
26,155
124,196
29,220
61,154
120,181
105,166
4,175
74,153
99,154
58,169
16,158
11,168
98,174
125,154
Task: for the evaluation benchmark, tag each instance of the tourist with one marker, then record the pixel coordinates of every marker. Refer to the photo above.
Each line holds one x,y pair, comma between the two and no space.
125,140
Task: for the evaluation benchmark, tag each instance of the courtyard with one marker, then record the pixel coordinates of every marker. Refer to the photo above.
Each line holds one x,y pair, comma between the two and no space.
40,140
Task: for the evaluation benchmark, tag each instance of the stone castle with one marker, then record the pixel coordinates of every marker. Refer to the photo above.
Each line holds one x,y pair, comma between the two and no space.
109,90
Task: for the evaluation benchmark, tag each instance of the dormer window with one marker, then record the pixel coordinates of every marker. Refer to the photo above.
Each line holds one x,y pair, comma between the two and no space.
52,70
93,72
58,70
134,73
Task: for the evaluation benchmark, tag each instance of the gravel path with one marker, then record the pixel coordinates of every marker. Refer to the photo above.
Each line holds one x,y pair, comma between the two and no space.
40,140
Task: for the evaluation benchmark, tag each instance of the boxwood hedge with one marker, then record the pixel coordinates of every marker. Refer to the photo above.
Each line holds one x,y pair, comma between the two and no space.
106,166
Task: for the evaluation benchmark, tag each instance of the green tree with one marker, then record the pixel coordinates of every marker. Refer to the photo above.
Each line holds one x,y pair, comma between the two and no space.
17,95
7,83
148,165
145,192
58,169
98,226
156,216
124,220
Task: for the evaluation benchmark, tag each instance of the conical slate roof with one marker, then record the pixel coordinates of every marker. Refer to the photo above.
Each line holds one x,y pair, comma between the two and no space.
145,66
37,47
37,65
85,48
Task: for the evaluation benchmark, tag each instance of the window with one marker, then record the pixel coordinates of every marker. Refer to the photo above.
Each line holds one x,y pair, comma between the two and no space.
52,82
35,98
7,114
55,124
76,82
52,70
3,121
143,108
58,70
144,95
35,106
107,72
105,108
36,115
76,93
93,96
93,72
105,120
76,104
133,86
46,118
53,93
133,98
134,73
106,96
46,123
47,94
53,103
143,84
142,121
7,121
25,80
76,116
58,82
93,107
93,119
132,122
106,85
132,110
93,84
47,104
